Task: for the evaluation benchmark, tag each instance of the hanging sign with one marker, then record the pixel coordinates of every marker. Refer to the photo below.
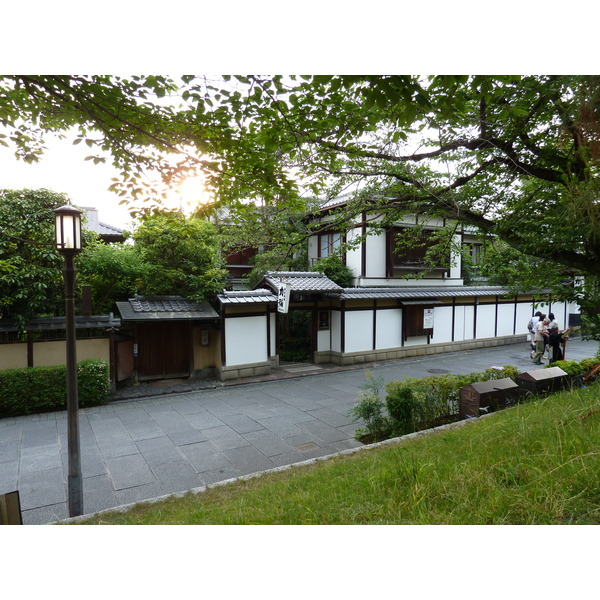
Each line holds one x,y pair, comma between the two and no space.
428,318
283,297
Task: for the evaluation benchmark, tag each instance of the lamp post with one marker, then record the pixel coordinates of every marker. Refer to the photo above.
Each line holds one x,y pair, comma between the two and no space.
67,226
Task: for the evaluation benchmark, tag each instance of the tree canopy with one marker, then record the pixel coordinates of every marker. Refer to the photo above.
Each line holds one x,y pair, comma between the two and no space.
31,282
182,256
514,156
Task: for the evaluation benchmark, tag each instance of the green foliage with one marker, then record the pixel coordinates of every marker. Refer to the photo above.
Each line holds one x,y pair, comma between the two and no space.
31,279
426,402
369,409
114,272
333,268
572,367
43,389
182,256
402,407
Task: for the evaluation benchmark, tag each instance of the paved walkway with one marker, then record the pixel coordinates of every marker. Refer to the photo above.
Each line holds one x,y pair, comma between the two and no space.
140,448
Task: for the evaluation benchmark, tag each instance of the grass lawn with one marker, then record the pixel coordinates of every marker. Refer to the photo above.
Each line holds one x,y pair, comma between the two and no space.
536,463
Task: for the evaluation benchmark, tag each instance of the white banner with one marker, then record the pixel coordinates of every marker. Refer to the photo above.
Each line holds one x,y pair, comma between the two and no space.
283,297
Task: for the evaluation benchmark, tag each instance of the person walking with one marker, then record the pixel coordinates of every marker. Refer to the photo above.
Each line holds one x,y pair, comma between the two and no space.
540,339
531,327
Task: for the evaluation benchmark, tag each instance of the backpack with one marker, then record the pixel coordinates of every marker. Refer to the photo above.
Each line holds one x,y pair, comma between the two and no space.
530,325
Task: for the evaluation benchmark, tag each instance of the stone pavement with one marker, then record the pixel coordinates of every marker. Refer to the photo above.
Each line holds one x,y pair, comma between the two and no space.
178,438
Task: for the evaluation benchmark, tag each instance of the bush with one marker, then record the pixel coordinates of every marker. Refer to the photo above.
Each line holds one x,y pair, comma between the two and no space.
403,409
570,367
370,410
589,363
437,399
43,389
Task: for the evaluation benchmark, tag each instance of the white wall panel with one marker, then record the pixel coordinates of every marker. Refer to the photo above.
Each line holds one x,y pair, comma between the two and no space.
389,328
459,323
486,321
245,340
273,325
336,331
468,320
323,341
524,313
376,255
442,324
506,319
359,330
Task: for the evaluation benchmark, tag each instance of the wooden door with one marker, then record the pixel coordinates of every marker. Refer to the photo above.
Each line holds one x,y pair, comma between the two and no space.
164,349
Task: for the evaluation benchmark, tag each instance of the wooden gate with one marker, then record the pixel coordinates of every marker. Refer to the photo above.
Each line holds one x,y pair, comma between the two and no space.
164,350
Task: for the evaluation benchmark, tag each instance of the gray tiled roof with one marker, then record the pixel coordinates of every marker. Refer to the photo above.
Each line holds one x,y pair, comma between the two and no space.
417,293
81,322
301,281
147,308
246,297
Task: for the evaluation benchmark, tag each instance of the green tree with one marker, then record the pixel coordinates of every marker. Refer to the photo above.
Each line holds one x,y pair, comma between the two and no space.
333,268
114,272
31,282
515,156
182,255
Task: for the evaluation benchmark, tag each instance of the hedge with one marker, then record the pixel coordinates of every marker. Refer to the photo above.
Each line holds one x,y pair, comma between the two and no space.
43,389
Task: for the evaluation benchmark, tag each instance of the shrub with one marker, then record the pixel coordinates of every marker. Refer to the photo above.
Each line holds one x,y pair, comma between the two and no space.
587,364
43,389
437,398
403,408
370,410
570,367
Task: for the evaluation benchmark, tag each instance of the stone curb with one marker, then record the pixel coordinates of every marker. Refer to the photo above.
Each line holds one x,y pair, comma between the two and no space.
311,461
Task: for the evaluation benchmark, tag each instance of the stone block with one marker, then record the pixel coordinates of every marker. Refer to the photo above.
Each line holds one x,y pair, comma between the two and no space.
229,374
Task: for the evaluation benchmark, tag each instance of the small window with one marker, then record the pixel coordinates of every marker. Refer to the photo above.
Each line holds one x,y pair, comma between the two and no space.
329,243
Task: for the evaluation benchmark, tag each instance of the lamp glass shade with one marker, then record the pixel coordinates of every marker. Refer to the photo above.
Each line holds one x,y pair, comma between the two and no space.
67,227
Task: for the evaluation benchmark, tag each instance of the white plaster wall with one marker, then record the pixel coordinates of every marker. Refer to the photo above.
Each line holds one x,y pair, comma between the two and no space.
359,331
524,313
506,319
376,255
336,331
354,255
442,324
459,324
469,315
245,340
272,340
486,321
389,329
323,341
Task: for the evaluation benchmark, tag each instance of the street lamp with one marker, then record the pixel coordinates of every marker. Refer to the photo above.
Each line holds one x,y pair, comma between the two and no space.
67,227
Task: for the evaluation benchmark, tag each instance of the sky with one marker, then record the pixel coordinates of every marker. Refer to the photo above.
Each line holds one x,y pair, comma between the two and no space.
63,168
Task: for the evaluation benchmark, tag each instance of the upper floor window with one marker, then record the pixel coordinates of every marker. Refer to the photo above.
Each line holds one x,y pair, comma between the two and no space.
329,243
410,257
